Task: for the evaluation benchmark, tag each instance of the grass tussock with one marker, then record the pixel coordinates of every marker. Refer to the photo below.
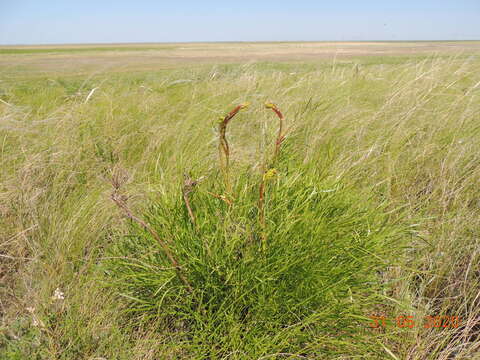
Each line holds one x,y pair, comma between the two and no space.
237,285
372,209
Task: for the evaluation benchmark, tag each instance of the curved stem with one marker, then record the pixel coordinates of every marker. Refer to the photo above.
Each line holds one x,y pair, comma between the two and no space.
223,147
280,134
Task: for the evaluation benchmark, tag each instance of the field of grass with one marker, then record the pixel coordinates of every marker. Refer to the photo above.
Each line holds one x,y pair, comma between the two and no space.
111,249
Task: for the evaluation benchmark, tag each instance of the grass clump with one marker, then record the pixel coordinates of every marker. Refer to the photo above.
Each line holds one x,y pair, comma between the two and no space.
229,290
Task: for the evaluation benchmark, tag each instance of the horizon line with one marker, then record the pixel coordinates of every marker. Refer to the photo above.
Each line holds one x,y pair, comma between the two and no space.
237,42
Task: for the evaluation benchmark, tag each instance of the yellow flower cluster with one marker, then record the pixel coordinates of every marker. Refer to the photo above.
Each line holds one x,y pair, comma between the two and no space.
269,174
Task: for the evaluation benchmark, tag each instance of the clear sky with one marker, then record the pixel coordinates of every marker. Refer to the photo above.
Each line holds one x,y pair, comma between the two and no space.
99,21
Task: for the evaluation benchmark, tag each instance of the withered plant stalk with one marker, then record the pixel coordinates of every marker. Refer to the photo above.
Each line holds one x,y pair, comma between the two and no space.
188,187
120,201
221,197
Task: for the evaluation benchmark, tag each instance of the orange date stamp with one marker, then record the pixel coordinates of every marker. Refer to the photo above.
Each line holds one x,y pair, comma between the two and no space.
405,321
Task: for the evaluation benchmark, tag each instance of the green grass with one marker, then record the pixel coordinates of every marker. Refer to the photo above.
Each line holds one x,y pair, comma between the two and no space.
375,210
320,267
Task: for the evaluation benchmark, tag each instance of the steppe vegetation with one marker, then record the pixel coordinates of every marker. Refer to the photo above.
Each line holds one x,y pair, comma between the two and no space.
229,237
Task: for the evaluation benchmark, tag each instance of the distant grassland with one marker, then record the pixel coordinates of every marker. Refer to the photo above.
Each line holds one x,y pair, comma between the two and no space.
75,50
374,210
88,59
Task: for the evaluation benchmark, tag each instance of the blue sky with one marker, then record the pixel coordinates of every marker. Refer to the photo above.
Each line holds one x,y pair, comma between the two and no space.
87,21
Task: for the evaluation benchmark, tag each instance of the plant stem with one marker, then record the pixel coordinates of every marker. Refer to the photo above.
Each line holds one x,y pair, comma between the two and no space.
261,214
119,200
280,134
266,174
223,147
188,187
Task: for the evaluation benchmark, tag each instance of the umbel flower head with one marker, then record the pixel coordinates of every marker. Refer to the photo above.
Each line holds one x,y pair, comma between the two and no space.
58,295
275,109
223,120
269,174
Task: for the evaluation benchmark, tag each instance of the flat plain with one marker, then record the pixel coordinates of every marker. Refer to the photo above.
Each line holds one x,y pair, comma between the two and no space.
353,231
